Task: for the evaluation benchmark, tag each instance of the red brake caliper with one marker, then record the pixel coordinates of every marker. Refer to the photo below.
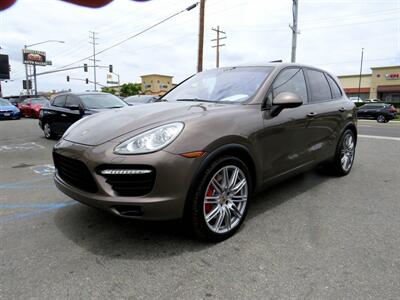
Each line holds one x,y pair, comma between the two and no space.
208,206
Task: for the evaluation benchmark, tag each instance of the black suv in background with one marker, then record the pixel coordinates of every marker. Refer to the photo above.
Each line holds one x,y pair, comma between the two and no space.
381,112
67,108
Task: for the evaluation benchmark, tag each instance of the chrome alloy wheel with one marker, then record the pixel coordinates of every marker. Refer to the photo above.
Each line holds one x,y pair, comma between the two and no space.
225,199
47,130
347,152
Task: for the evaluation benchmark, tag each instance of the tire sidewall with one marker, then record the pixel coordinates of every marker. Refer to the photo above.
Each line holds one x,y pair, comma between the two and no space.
198,221
50,136
381,121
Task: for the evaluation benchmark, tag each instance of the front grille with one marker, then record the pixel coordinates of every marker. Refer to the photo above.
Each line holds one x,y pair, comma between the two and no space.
74,172
130,184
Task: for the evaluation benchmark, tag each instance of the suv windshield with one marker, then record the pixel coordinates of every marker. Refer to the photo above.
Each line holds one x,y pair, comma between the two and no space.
4,102
101,101
221,85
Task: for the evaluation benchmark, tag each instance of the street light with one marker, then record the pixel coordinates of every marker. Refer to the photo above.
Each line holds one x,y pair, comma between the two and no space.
34,66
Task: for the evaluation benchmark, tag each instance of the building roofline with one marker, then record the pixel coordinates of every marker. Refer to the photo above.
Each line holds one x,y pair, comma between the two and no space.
387,67
354,75
147,75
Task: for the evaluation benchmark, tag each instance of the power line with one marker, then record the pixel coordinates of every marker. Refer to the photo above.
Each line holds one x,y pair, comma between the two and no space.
135,35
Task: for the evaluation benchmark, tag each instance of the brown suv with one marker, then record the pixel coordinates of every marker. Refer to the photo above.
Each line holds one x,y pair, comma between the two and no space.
209,145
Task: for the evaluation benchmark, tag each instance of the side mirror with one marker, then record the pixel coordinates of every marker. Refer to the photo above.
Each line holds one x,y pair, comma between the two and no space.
285,100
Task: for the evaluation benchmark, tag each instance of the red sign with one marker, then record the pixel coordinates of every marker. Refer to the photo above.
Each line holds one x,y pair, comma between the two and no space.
392,76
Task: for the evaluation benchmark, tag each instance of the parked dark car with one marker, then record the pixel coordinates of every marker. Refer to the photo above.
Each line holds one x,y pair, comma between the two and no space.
140,99
209,144
381,112
31,107
67,108
8,111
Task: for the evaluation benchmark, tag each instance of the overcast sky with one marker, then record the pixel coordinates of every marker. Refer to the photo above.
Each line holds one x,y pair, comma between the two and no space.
332,35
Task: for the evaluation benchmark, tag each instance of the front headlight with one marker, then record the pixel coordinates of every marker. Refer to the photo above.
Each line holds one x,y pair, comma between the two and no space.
151,140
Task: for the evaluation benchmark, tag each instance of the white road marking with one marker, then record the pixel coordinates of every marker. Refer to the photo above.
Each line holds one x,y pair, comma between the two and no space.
379,137
43,170
20,147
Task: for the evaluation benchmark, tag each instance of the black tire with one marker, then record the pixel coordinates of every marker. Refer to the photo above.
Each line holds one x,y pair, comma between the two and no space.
48,131
381,119
195,214
336,167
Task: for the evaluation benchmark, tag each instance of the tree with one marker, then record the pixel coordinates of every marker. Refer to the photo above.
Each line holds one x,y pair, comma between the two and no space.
109,90
130,89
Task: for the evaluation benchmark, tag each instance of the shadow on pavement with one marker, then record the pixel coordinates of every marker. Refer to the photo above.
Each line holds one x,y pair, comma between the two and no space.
104,234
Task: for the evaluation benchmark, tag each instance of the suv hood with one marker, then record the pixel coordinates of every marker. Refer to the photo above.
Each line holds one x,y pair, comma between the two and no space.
102,127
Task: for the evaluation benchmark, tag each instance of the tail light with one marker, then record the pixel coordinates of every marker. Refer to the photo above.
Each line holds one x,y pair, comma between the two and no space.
392,109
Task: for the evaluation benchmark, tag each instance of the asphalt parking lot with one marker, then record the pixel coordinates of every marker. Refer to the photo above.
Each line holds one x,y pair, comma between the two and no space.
312,237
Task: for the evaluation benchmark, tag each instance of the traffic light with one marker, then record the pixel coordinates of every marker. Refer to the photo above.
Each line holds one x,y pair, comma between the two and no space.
87,81
85,68
110,68
67,78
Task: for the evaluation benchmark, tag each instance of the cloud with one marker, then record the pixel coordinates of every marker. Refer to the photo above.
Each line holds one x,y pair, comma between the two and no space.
332,35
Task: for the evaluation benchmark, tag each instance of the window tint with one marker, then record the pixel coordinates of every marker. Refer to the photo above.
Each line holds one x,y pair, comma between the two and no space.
336,93
59,101
320,90
289,80
71,101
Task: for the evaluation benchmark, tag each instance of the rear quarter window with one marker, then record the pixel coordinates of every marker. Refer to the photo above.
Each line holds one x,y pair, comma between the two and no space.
336,93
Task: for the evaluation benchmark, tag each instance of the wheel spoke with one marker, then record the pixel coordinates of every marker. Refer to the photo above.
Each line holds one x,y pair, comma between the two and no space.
211,199
225,178
239,198
236,212
220,219
233,179
239,186
215,212
216,185
228,218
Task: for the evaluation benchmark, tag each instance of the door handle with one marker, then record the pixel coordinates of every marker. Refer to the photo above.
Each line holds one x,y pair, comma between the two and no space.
342,109
311,114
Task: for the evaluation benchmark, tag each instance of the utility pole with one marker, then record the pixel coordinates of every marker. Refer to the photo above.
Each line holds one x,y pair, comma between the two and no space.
201,37
93,42
295,10
359,79
26,73
219,45
34,76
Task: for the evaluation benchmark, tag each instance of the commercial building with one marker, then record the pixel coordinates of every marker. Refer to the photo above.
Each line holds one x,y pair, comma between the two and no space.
156,84
383,83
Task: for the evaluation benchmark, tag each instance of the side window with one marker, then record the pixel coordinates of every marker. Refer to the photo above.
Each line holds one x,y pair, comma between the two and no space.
336,93
59,101
25,102
71,101
320,90
289,80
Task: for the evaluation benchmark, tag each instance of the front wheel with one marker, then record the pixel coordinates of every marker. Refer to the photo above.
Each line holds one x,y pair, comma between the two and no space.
220,202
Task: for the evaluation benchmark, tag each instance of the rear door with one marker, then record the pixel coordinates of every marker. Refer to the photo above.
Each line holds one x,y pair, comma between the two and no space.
283,135
326,114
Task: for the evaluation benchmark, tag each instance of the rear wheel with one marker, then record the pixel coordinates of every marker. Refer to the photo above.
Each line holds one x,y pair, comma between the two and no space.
48,131
221,199
381,119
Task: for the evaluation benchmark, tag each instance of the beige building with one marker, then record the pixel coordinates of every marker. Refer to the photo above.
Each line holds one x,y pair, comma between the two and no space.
156,84
383,83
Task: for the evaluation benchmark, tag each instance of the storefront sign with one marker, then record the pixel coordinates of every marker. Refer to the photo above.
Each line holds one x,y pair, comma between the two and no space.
392,76
33,57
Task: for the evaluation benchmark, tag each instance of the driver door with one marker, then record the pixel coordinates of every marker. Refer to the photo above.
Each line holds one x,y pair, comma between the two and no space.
284,139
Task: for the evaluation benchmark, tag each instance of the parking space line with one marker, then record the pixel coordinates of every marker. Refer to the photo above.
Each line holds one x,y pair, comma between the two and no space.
26,215
379,137
26,184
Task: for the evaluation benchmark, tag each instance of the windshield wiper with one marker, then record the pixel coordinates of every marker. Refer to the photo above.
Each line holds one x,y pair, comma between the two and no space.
196,100
115,107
